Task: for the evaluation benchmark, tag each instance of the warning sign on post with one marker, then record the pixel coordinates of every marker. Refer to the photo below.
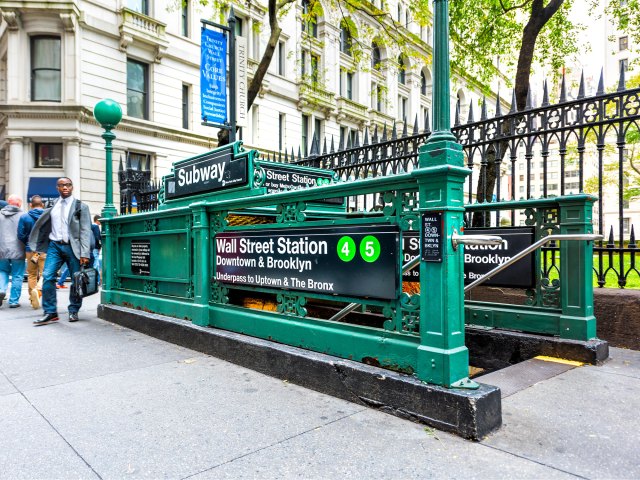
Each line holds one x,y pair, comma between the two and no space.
348,261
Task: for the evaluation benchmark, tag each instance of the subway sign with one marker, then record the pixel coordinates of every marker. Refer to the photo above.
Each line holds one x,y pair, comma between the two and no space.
349,261
481,259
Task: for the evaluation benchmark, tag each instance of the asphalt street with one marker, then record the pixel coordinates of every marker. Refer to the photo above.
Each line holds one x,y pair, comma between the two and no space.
95,400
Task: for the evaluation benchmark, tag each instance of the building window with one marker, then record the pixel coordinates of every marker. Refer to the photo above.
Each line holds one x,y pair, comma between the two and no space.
281,129
402,78
315,61
624,64
185,18
379,97
349,80
423,83
185,106
317,129
49,155
305,133
376,58
521,189
626,225
521,178
45,69
552,186
309,19
137,89
623,43
239,25
140,6
346,41
139,161
281,59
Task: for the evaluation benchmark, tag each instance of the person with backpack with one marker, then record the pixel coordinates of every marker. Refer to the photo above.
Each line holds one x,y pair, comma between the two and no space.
12,251
64,232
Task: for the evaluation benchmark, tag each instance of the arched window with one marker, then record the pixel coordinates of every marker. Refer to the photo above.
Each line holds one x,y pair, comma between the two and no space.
346,42
376,58
309,18
402,74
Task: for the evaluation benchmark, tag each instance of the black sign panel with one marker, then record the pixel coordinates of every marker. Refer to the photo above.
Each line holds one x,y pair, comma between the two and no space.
432,235
349,261
215,171
141,257
279,178
480,259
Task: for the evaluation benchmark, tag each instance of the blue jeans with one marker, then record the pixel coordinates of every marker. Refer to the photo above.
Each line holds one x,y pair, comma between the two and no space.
15,268
97,262
57,254
64,274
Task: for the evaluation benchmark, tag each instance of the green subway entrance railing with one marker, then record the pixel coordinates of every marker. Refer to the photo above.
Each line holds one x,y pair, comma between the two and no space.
212,254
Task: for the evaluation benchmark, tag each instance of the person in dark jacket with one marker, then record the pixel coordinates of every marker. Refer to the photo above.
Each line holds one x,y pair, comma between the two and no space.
97,255
35,260
12,251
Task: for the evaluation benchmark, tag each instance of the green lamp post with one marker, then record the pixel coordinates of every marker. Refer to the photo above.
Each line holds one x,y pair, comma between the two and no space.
108,113
443,358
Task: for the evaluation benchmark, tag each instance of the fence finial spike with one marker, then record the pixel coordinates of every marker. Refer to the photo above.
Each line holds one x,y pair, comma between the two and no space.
348,142
601,83
498,105
456,121
545,94
341,142
470,119
415,126
299,154
514,102
394,132
356,143
286,156
581,89
365,142
324,146
563,89
384,133
632,238
483,112
611,243
315,147
529,104
120,167
374,139
293,155
128,161
622,84
404,127
427,127
333,146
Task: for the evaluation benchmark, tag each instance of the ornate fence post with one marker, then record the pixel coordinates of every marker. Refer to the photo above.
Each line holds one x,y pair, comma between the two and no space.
443,358
201,261
576,269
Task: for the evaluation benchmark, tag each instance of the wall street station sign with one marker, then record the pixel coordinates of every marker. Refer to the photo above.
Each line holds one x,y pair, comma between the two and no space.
279,178
215,171
480,259
349,261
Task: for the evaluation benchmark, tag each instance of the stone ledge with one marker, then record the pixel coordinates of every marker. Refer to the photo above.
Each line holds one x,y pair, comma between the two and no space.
470,414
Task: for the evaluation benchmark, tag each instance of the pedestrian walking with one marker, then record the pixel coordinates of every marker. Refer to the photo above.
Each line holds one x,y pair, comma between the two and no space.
64,232
12,251
35,260
97,255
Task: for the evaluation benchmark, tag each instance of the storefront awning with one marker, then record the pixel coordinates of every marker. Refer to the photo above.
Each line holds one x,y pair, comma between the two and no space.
45,187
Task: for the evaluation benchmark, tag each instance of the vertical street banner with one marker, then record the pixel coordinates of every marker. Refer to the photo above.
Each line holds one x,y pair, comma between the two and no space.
241,82
213,76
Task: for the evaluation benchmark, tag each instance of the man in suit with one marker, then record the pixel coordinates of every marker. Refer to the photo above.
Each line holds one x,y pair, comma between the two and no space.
64,232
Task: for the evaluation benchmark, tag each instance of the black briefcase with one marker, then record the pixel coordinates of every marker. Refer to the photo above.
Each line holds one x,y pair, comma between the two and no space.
85,282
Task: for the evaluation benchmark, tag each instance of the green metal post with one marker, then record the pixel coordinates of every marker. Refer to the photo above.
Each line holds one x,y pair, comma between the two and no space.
576,269
108,113
443,358
201,261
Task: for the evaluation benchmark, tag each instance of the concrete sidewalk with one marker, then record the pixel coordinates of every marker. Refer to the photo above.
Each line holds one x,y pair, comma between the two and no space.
95,400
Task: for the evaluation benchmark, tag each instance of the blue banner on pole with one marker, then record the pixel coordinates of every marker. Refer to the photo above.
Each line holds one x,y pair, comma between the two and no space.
213,76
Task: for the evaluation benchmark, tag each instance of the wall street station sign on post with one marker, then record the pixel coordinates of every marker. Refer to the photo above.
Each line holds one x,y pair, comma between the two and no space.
480,259
215,171
348,261
432,235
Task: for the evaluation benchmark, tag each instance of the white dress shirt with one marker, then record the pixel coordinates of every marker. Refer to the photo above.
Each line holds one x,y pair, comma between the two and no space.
60,220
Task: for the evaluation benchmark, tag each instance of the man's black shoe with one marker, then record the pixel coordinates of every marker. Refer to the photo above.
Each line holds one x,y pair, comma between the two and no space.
47,319
73,317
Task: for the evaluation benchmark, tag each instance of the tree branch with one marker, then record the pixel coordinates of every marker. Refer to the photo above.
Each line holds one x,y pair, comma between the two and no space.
506,9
